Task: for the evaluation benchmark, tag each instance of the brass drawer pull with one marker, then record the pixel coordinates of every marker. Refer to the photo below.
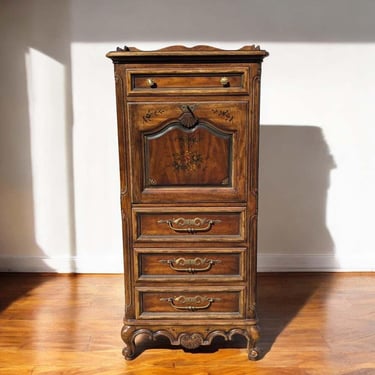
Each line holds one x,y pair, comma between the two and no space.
151,83
190,265
196,303
224,81
189,225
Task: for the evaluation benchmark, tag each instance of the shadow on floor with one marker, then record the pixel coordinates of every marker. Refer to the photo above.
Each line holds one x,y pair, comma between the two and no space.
12,289
281,296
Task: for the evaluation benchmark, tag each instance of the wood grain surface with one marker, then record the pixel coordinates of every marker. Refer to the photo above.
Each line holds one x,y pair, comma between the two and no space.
70,324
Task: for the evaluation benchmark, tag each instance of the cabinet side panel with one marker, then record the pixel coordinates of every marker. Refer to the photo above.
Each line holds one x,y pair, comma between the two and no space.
255,74
125,186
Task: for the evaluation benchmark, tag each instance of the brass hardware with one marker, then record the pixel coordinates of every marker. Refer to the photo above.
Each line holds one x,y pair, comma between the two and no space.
151,83
224,81
225,181
151,181
189,225
190,265
195,303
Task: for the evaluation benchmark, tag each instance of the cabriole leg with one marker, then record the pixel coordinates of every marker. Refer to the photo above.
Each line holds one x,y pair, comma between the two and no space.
252,338
127,335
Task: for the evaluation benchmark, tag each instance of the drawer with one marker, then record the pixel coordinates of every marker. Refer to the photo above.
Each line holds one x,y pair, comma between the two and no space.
222,81
198,265
193,303
189,224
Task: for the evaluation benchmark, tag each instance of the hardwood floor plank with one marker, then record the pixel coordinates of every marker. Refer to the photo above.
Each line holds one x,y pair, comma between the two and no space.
313,324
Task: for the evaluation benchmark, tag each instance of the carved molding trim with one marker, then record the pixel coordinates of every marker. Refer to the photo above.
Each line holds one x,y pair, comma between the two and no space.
188,119
182,48
200,53
121,125
254,141
190,340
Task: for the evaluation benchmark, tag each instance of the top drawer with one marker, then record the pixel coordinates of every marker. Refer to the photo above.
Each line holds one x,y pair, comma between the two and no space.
186,82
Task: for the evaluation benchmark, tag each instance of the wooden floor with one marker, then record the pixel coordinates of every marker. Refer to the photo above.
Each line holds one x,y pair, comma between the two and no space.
311,324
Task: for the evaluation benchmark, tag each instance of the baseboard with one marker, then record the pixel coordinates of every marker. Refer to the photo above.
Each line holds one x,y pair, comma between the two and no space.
74,264
267,262
277,262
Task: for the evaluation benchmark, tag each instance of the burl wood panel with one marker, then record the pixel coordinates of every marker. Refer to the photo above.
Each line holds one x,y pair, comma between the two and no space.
177,156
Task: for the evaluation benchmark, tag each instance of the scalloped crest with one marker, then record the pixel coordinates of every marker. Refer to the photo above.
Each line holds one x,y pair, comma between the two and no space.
182,48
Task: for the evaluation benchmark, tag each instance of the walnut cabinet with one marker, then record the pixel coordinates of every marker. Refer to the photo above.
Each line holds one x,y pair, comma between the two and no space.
188,126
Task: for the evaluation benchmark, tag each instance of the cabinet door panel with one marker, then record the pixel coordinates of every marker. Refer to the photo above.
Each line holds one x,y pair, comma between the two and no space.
178,157
189,152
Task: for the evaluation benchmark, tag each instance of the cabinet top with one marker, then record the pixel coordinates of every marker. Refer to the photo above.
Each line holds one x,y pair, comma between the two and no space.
184,54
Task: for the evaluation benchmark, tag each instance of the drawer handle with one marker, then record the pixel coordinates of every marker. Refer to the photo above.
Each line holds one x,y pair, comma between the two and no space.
190,265
151,83
189,225
196,303
224,81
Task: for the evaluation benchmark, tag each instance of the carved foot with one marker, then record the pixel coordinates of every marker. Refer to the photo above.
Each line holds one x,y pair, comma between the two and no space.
252,338
127,335
253,354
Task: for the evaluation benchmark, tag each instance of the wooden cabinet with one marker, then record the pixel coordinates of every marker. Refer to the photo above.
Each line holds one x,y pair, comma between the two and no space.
188,126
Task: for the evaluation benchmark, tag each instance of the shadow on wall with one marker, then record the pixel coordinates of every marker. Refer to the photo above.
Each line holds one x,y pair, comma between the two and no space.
295,167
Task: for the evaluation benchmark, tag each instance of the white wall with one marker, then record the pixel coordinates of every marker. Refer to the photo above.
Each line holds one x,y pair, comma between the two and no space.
59,189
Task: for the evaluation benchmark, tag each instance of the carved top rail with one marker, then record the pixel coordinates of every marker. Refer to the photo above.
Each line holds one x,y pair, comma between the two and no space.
177,53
